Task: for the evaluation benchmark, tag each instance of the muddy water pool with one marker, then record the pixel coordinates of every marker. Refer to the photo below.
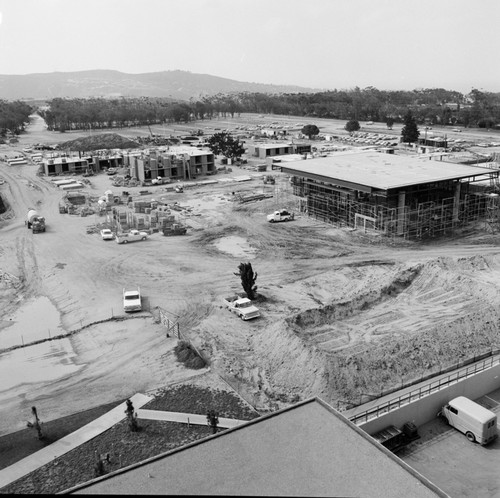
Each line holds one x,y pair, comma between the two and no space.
36,319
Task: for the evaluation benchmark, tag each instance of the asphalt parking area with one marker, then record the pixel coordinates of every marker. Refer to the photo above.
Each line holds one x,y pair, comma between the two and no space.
451,462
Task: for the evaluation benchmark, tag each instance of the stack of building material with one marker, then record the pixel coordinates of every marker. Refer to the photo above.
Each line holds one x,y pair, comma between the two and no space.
122,219
141,206
166,219
17,161
58,183
140,223
72,186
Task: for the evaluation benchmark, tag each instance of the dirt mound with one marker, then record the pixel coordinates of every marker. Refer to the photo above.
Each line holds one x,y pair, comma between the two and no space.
406,324
98,142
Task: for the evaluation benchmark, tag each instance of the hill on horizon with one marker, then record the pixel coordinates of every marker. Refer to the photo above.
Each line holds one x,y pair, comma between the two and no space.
177,85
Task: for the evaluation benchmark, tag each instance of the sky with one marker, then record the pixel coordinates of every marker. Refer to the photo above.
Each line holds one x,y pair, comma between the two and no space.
320,44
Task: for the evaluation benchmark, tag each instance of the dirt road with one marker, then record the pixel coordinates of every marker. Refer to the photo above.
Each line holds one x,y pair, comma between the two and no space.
342,315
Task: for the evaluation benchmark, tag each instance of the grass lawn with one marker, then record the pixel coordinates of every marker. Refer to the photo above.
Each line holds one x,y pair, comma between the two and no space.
20,444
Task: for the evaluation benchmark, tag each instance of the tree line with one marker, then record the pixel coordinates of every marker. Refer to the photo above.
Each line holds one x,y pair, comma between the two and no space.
14,116
428,106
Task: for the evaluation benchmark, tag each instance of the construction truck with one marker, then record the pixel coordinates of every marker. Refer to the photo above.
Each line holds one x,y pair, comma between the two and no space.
174,229
34,221
131,236
281,215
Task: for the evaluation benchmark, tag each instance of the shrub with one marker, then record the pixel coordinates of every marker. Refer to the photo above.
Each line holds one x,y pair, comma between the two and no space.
188,356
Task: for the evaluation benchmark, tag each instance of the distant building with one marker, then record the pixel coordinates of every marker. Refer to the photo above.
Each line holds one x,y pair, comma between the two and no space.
432,141
65,165
277,149
176,163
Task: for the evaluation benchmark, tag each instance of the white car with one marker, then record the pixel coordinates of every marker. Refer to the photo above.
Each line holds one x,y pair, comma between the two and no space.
107,234
132,236
281,215
132,300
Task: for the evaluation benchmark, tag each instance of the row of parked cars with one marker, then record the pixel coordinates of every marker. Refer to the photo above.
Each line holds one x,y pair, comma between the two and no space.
370,139
123,238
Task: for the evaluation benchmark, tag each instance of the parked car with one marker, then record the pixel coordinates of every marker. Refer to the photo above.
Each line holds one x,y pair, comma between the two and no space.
132,300
107,234
111,171
280,215
132,236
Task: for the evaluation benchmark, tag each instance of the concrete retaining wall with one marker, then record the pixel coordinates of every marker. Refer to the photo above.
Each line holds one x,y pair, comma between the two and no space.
425,409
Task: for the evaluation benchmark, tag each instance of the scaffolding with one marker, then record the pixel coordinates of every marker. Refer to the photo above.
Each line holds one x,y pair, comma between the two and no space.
492,221
429,211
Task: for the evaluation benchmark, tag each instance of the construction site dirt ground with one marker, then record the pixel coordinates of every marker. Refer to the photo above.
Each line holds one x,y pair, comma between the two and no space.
345,315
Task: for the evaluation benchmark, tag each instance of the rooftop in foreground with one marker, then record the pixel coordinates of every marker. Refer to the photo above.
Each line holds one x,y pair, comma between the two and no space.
308,449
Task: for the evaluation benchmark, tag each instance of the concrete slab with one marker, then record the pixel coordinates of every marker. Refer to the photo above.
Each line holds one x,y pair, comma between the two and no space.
69,442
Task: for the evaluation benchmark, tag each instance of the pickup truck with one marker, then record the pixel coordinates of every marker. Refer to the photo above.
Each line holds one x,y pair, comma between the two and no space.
132,300
132,236
281,215
174,229
242,307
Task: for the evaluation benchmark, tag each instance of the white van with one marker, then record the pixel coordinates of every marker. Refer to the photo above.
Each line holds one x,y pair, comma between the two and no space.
476,422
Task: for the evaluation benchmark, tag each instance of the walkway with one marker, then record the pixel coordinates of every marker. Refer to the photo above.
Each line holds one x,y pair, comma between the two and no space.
98,426
186,418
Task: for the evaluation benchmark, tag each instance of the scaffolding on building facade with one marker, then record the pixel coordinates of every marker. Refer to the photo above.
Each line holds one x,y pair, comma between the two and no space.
428,211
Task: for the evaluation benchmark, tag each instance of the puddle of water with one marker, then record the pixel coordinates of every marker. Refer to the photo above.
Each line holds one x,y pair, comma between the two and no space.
36,364
37,319
236,246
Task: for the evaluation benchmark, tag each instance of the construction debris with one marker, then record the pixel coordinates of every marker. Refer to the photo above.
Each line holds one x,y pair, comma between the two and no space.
253,197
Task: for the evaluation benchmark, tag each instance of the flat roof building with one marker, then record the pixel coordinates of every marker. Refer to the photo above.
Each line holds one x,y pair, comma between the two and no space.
65,165
407,196
263,150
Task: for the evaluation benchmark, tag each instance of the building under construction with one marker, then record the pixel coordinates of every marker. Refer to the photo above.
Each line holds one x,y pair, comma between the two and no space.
412,197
